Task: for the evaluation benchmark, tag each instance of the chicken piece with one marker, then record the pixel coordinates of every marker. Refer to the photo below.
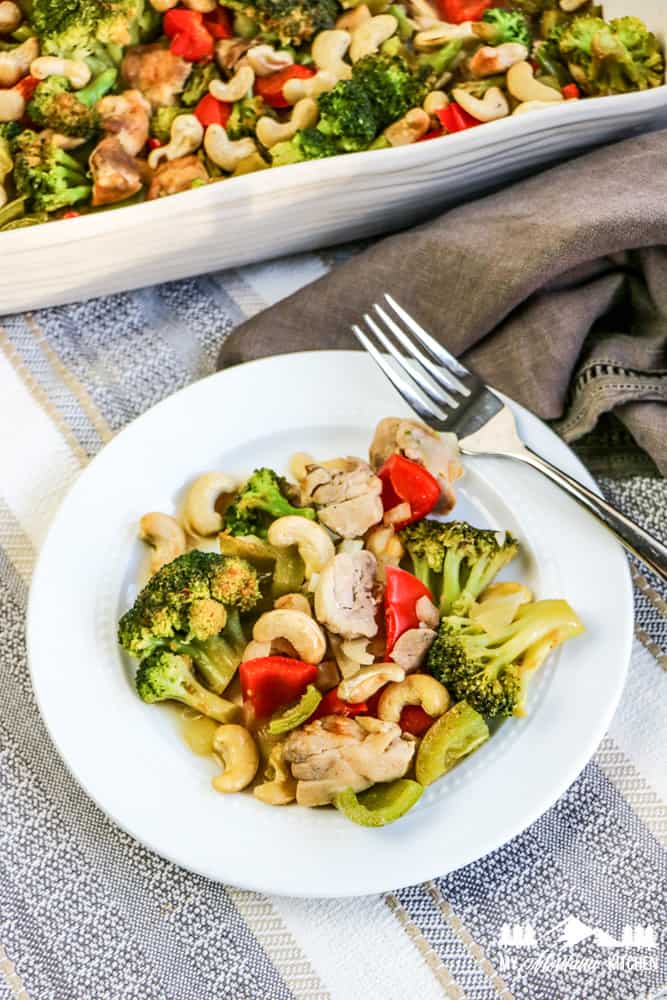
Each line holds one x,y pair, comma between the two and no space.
116,175
439,453
156,72
347,493
411,649
345,600
335,753
126,115
176,175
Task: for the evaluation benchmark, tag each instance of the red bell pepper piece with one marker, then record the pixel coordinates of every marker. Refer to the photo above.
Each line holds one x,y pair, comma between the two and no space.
455,119
27,86
435,133
189,37
415,720
71,214
404,481
153,143
210,111
331,704
271,87
401,594
272,682
570,92
458,11
219,23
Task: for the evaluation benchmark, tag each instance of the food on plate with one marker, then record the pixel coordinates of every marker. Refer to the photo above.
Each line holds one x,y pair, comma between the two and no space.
349,645
113,102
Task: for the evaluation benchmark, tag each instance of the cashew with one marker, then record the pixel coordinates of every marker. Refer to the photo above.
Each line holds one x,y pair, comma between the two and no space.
165,535
199,514
418,689
12,106
225,152
300,630
314,545
435,101
522,84
569,6
294,602
353,18
386,546
521,109
240,758
491,107
369,680
76,70
270,132
15,63
370,35
264,60
256,651
411,127
297,89
281,789
10,17
441,33
490,59
186,137
236,88
357,650
328,50
162,6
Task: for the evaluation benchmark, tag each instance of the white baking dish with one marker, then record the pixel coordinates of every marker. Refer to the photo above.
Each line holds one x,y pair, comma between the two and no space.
309,205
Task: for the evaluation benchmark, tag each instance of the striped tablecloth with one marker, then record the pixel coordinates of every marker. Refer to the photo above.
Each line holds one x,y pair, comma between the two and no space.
86,913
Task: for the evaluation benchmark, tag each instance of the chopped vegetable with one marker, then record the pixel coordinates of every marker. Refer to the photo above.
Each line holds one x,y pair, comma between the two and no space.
297,714
331,704
270,87
269,683
261,501
380,805
189,37
210,111
456,734
405,481
402,591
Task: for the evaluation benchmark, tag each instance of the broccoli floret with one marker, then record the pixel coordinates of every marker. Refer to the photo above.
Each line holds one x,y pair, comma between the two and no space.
348,115
192,606
162,119
45,175
456,561
244,116
612,58
164,676
485,669
10,130
290,22
198,81
260,502
94,30
431,67
54,106
307,144
392,87
499,26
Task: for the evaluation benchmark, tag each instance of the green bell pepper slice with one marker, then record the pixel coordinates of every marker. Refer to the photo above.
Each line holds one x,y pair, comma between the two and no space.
455,735
297,714
381,804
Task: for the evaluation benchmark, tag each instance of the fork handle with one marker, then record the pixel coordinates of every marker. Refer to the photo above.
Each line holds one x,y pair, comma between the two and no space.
635,539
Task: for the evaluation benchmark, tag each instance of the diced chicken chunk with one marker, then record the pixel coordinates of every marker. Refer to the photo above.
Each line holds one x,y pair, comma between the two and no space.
127,116
176,175
116,175
439,453
411,650
335,753
353,518
345,600
347,493
156,72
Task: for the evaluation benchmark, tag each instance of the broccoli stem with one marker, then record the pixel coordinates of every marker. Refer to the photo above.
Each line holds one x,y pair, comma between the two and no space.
98,87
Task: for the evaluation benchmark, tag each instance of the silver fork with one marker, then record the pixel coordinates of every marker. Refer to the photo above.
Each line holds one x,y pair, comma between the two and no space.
449,397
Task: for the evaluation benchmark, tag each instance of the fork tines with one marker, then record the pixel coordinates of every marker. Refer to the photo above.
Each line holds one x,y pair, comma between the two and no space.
427,376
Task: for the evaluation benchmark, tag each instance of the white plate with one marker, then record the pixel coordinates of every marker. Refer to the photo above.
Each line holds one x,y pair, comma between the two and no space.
309,205
129,756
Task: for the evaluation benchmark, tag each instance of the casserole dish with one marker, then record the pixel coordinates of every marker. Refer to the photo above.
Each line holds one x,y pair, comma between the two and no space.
311,204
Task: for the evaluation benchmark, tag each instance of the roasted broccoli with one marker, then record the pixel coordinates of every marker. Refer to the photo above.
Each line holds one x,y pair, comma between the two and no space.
392,88
486,669
55,106
307,144
197,83
290,22
45,175
244,116
348,115
260,502
94,30
162,119
612,58
432,66
165,676
456,561
9,130
192,606
499,26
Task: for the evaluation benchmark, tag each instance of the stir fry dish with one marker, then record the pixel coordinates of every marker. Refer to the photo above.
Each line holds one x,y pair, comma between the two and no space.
339,639
110,102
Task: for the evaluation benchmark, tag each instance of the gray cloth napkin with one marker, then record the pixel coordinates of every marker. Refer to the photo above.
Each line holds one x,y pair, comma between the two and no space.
554,289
